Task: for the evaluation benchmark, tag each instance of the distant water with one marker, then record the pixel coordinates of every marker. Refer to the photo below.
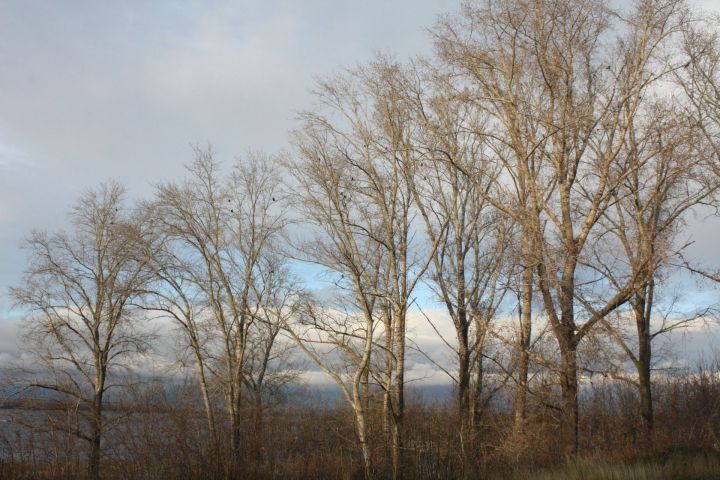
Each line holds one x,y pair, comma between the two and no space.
330,395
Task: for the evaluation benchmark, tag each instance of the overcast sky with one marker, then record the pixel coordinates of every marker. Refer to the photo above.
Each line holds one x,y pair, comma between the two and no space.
92,90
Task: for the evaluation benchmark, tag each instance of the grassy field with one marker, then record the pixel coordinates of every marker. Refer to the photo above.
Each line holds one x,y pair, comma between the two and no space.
674,467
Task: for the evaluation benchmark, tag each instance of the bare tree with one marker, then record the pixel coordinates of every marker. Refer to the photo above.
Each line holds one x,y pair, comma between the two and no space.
345,244
79,287
341,345
470,236
355,172
223,230
562,88
269,365
174,293
667,181
699,79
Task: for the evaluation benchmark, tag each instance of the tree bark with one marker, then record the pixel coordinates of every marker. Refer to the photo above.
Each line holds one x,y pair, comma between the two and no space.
236,430
463,393
361,426
476,410
258,426
398,397
643,308
520,408
569,386
207,404
95,436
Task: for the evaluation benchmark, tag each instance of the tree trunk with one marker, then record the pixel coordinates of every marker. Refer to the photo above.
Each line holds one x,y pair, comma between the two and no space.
365,383
387,395
210,416
361,426
643,311
646,403
396,448
398,400
569,385
95,437
567,341
258,425
462,328
523,354
476,411
463,393
236,429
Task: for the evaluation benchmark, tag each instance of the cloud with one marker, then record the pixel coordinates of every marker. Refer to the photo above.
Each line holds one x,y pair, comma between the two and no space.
10,349
98,90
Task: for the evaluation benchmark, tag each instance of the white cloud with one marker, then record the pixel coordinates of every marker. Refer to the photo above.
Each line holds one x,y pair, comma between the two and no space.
92,90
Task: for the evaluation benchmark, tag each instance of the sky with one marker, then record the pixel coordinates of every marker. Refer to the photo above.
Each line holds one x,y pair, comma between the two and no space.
91,91
98,90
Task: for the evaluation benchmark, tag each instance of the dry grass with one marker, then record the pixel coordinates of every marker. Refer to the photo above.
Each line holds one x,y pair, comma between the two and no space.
704,466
